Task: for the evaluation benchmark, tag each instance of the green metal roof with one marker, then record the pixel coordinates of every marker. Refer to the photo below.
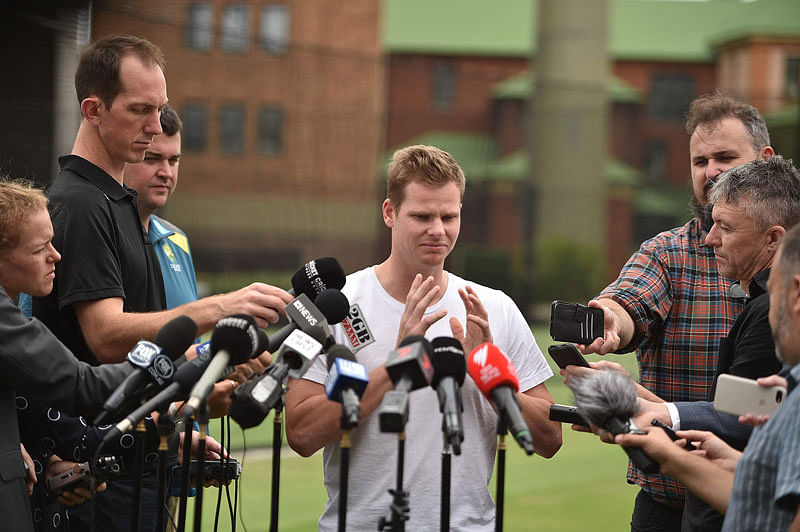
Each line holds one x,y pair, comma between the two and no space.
514,168
473,151
475,154
667,30
519,87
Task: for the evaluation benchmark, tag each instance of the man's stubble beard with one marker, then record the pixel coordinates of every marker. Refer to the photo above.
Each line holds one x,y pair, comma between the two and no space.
699,210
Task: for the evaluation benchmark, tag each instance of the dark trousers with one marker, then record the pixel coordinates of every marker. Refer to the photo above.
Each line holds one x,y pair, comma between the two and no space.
113,507
650,515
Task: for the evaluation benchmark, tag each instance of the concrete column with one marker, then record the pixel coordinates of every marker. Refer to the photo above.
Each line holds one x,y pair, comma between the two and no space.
567,129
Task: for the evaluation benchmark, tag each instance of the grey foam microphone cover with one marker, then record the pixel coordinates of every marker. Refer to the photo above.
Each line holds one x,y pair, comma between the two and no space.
602,394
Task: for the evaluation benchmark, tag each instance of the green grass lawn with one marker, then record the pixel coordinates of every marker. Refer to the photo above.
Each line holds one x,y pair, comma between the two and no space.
581,488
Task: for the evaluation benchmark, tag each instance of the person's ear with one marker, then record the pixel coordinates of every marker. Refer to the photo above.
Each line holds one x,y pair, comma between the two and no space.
389,212
774,235
91,108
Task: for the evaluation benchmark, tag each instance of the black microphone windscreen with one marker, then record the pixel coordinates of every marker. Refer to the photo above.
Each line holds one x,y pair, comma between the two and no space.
339,351
602,394
176,336
318,275
448,360
333,304
237,335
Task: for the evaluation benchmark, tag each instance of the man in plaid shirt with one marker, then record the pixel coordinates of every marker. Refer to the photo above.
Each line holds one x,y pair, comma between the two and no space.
669,301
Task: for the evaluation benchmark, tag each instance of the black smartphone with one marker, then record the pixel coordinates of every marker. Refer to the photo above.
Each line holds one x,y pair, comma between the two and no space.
571,322
223,470
566,414
671,433
105,469
566,355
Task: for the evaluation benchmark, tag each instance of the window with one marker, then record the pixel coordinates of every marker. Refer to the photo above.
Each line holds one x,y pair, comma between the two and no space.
670,96
270,130
443,85
274,28
792,86
231,129
655,161
197,33
235,28
195,127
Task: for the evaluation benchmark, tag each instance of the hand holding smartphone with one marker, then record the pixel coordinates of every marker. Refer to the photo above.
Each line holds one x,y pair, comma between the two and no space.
739,396
571,322
566,355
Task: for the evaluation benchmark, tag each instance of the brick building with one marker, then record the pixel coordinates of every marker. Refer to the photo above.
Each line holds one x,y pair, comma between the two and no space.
465,73
290,108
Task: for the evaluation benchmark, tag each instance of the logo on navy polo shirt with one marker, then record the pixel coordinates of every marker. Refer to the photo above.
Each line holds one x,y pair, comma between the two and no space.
356,328
173,261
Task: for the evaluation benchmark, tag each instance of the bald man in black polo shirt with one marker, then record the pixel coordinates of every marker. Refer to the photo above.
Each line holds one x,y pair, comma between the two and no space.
108,293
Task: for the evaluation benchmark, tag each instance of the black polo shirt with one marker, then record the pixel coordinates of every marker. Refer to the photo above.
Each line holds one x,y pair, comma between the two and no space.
104,251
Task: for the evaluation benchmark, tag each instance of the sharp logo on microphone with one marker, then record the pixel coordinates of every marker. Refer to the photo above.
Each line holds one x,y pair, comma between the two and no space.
143,353
487,372
356,328
162,369
312,274
480,355
307,315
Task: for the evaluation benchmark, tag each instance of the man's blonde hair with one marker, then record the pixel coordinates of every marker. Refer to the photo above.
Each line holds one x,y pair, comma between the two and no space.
423,164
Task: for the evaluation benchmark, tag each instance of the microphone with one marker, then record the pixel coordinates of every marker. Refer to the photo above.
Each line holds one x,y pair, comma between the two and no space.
234,339
316,276
333,304
345,383
154,361
449,370
496,378
305,316
185,376
409,367
608,399
253,400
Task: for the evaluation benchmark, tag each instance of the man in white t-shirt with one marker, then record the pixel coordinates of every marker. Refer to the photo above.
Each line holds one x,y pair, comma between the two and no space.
409,294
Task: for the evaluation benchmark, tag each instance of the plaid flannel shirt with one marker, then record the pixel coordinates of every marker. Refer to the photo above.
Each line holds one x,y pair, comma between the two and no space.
681,309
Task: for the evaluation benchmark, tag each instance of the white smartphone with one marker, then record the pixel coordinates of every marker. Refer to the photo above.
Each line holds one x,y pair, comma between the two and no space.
739,396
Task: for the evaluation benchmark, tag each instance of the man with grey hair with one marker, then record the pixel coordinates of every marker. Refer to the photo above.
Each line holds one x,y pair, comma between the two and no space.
670,303
754,205
760,488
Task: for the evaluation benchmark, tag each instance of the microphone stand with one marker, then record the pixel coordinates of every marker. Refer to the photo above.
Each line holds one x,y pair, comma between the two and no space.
166,427
276,463
344,469
187,457
136,501
444,517
501,474
399,497
202,420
